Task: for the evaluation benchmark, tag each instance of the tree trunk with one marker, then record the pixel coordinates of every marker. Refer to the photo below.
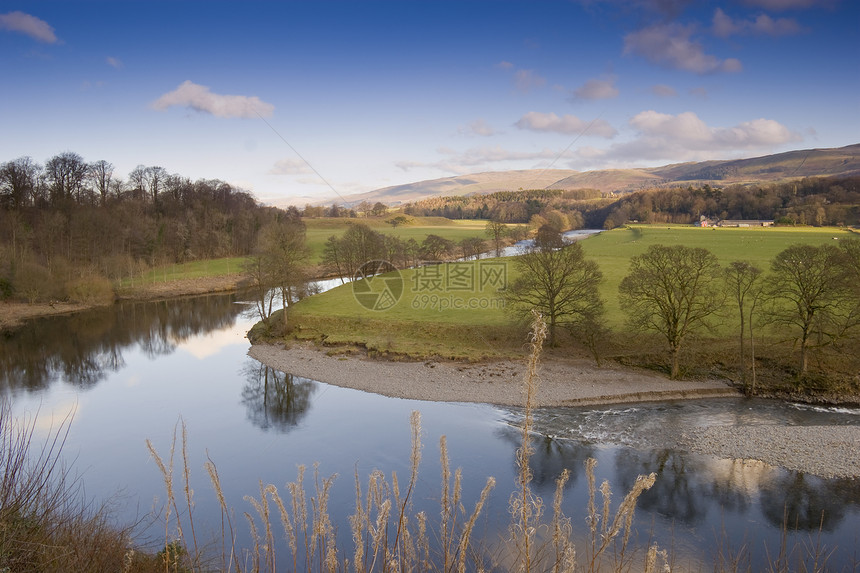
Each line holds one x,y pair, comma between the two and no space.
676,351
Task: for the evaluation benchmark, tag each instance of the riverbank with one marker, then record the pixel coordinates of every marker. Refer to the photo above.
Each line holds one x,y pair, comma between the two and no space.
563,382
13,314
824,451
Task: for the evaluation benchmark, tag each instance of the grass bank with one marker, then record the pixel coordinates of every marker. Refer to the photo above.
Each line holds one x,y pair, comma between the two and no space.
454,310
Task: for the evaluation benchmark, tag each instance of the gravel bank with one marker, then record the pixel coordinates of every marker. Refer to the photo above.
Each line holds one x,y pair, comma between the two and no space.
562,382
827,451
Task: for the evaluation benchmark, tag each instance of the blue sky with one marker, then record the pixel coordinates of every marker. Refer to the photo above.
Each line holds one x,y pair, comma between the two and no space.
306,100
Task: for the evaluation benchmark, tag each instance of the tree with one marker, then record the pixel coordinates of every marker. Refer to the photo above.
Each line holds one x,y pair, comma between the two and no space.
672,290
18,181
284,257
101,174
497,232
809,286
560,284
471,247
397,221
65,173
744,286
435,248
379,209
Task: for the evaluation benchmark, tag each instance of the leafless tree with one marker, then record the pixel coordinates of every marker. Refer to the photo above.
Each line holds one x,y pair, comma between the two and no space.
672,290
66,173
744,286
101,175
560,283
810,288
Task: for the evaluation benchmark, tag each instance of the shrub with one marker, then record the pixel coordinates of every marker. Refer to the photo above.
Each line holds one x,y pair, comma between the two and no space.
93,289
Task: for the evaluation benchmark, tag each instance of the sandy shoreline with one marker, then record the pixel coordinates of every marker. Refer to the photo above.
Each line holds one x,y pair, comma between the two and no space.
562,382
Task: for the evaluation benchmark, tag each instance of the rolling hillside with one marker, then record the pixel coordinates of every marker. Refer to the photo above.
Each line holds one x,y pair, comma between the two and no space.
781,166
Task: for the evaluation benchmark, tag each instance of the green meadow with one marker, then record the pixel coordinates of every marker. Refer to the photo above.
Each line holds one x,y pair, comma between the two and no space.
319,230
453,310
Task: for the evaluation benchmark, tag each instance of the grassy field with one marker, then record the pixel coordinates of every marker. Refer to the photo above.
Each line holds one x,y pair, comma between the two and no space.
319,230
452,310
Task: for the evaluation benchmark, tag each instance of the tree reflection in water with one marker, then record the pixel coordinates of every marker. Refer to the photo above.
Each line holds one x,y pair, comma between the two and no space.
807,503
550,457
275,400
82,348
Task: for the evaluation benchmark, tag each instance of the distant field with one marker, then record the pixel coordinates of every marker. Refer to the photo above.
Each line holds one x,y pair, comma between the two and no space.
319,230
612,250
431,317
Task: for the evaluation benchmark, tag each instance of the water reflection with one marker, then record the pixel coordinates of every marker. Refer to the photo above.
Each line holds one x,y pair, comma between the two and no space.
549,457
682,486
807,503
275,400
83,348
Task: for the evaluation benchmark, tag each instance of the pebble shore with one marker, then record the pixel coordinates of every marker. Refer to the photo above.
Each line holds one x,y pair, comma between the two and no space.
827,451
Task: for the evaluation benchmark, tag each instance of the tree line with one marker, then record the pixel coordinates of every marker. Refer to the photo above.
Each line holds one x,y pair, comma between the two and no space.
809,299
70,220
807,201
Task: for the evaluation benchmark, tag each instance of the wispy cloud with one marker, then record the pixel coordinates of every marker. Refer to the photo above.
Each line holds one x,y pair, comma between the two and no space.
663,90
114,62
476,158
724,26
567,124
478,127
780,5
199,98
672,45
596,89
291,167
527,80
29,26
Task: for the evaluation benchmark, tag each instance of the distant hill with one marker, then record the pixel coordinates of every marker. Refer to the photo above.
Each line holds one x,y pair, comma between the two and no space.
768,168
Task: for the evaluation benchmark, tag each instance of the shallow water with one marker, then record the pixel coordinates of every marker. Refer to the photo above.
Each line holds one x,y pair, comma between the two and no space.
133,372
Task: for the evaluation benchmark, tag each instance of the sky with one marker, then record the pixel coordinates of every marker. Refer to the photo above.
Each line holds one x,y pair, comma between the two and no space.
304,101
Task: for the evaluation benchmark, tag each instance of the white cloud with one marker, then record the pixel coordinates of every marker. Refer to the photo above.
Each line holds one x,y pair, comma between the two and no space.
597,89
671,45
685,137
28,25
724,26
290,167
199,98
114,62
567,124
663,90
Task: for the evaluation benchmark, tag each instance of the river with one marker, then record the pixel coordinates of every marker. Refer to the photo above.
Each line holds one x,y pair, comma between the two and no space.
134,371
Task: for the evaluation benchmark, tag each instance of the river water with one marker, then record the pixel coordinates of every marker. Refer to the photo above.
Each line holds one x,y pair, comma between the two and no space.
134,371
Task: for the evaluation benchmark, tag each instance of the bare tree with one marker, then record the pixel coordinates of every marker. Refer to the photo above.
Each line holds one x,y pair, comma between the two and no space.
285,256
497,232
744,286
560,284
810,290
671,290
18,181
101,175
66,173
